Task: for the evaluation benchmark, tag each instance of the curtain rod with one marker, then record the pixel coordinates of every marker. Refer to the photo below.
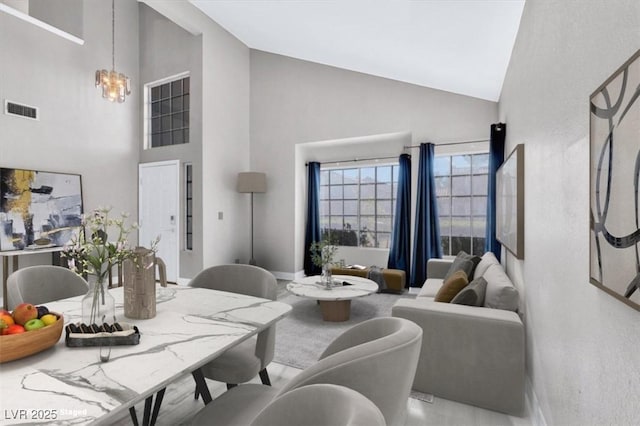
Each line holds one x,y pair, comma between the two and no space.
450,143
358,159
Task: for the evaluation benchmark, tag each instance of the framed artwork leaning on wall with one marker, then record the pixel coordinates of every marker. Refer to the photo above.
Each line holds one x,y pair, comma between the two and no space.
38,209
614,184
510,202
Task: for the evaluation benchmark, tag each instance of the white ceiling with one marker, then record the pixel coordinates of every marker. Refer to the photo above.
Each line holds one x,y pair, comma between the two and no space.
461,46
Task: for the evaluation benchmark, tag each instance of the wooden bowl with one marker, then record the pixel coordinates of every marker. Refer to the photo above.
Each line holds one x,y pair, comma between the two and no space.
16,346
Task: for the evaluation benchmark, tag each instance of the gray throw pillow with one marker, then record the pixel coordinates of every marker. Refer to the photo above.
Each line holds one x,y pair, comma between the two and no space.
464,262
472,294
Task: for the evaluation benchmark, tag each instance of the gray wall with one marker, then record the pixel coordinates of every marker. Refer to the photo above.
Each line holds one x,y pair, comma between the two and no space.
225,134
582,344
166,50
67,15
78,131
295,102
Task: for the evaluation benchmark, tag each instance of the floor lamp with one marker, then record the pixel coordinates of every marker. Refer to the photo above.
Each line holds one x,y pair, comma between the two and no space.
252,182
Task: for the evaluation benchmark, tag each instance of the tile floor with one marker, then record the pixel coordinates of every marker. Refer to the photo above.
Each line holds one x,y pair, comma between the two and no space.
179,406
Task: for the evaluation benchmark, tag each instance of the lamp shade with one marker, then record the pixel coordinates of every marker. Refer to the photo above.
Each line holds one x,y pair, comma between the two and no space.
252,182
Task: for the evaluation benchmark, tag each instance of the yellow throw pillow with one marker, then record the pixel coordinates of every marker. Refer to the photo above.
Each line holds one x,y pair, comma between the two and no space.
452,286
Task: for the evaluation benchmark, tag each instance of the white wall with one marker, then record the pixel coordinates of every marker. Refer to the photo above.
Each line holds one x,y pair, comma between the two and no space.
297,102
582,344
225,133
78,131
166,49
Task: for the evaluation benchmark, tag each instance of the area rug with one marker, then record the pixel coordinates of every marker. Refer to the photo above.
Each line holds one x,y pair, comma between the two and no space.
302,336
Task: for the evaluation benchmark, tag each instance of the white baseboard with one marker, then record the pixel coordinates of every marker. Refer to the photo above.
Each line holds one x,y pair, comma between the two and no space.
533,406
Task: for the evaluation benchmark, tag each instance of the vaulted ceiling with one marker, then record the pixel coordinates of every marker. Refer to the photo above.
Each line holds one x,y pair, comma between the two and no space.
460,46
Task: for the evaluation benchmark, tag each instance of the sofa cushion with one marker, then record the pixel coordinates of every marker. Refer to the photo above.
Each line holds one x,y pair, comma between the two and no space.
472,294
452,286
500,294
486,260
430,287
463,262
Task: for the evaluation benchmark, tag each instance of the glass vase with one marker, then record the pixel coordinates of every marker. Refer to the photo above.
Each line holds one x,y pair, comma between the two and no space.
326,278
98,305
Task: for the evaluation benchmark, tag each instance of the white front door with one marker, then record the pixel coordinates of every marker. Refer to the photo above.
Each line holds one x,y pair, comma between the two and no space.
158,211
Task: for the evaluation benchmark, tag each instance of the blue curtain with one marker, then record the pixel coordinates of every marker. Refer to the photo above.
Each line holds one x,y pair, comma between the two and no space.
399,254
312,233
496,157
426,241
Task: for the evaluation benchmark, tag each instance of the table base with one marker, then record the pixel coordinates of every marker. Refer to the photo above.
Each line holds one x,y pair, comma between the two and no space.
335,310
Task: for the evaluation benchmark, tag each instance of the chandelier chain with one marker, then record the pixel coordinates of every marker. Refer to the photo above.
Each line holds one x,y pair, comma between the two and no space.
113,34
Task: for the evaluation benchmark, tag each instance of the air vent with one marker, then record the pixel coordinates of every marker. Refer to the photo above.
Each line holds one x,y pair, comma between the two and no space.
18,110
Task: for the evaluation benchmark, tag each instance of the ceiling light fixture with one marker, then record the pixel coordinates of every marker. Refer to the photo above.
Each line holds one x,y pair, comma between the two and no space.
115,86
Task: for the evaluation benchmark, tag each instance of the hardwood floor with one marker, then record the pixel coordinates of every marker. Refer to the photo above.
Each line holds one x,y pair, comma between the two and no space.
178,406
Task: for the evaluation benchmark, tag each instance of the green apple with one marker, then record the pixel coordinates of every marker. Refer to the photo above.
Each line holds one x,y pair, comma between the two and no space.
33,324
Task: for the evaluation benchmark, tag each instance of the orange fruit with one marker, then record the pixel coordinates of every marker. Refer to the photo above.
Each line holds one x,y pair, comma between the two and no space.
8,319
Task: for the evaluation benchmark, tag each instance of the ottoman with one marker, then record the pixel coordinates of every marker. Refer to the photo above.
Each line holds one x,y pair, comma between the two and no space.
394,278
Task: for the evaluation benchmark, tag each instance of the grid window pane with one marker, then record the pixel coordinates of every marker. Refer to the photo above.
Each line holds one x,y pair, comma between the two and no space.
351,192
442,166
368,175
367,192
443,186
383,224
462,202
384,208
384,174
479,206
461,206
176,87
324,192
459,244
350,176
357,205
335,192
481,164
478,226
383,190
168,109
336,207
367,207
444,206
461,185
324,208
479,183
460,165
335,177
165,89
351,208
367,223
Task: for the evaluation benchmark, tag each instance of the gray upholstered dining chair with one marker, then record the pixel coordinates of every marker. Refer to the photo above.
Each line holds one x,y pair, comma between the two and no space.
43,283
320,404
251,357
377,358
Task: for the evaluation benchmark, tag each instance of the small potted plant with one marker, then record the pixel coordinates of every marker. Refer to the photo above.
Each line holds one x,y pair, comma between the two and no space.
322,253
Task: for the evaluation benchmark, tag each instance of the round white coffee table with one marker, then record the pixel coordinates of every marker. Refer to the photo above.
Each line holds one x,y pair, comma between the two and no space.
335,304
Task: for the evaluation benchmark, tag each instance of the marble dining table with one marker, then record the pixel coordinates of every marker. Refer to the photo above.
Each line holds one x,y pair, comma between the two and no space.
71,385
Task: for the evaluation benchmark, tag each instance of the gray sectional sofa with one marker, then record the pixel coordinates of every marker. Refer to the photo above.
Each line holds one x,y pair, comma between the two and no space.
470,354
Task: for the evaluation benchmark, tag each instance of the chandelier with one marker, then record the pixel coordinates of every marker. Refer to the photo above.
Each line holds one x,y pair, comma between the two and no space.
115,86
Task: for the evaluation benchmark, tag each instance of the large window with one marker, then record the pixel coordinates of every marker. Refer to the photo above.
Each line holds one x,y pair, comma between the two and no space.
168,112
357,205
461,188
